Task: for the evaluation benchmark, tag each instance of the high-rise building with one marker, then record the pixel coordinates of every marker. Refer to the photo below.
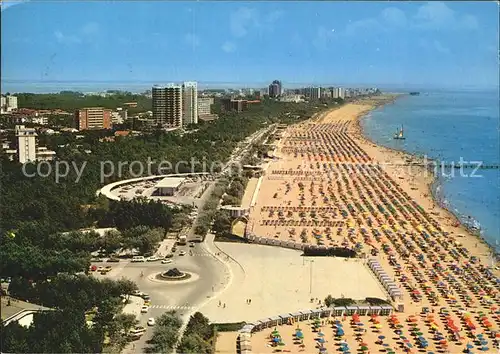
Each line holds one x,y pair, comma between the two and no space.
204,105
340,92
8,104
93,118
190,103
26,143
335,92
11,103
167,106
315,93
275,89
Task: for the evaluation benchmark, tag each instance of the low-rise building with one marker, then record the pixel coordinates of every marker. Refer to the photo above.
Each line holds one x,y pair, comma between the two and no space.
93,118
292,98
208,117
235,211
41,120
205,105
44,154
169,186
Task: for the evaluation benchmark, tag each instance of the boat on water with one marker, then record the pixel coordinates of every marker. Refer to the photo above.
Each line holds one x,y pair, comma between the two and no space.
414,93
399,135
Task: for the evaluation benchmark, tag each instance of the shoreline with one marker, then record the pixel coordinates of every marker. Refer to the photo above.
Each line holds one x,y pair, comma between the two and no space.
331,186
430,185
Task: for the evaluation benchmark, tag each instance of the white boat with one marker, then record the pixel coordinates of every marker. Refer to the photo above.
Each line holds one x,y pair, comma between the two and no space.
399,135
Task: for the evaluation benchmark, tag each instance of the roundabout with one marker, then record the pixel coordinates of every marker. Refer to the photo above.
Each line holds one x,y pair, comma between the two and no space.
174,276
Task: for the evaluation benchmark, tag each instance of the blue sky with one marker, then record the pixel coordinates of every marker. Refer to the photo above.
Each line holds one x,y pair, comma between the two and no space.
433,44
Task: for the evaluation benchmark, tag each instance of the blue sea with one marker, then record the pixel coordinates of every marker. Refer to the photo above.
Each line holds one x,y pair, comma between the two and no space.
448,126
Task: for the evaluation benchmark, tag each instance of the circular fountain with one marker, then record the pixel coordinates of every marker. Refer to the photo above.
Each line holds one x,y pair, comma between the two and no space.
173,274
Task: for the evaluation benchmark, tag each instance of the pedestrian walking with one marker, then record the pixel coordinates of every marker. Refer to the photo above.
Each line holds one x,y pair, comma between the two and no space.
224,305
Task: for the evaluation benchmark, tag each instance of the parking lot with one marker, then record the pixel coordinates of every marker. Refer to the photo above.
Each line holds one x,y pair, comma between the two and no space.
189,192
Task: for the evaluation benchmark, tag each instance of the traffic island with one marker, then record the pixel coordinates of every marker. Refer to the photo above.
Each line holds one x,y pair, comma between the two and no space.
173,275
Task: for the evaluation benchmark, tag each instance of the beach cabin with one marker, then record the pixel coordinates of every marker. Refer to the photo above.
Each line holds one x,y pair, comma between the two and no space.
285,318
257,326
266,323
365,310
274,321
386,310
316,313
339,311
247,329
351,310
326,312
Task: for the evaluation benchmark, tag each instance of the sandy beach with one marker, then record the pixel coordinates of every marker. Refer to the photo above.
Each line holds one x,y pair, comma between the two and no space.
330,186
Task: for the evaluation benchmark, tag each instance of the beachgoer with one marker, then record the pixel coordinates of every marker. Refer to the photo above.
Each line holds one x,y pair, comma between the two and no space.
224,305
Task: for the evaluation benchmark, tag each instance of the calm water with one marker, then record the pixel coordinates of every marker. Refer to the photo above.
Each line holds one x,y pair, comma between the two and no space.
448,126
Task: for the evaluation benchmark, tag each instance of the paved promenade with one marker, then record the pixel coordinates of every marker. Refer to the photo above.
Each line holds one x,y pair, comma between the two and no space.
279,280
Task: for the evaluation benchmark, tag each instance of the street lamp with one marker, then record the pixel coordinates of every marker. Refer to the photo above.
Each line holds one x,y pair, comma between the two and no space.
310,274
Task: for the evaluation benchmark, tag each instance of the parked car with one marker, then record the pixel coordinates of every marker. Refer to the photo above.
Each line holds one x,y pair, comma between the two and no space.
144,309
100,269
182,253
93,268
137,292
138,259
114,260
145,296
166,261
135,335
169,255
153,259
151,321
138,329
191,244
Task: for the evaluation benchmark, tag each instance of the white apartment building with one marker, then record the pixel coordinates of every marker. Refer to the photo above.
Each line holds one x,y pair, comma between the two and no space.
43,154
204,105
119,116
190,103
8,104
341,92
27,143
40,120
315,93
11,103
292,98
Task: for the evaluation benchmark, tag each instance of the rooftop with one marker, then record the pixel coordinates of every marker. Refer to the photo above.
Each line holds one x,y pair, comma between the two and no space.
170,182
15,307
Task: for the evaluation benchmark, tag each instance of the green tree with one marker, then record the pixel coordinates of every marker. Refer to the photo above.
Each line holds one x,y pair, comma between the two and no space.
222,223
194,344
329,301
111,241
